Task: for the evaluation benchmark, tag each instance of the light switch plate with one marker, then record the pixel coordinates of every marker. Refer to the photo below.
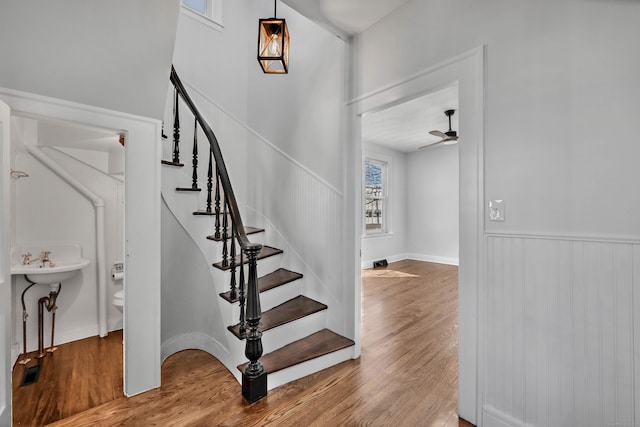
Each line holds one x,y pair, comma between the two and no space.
496,210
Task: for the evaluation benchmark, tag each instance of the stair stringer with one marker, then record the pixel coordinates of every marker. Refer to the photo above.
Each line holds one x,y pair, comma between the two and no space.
182,206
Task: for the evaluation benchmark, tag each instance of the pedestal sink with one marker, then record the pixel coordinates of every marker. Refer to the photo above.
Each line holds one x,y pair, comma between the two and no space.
47,275
62,263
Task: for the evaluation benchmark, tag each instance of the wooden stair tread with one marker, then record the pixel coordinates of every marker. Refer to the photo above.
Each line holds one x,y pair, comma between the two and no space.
247,230
265,252
269,281
172,163
308,348
295,308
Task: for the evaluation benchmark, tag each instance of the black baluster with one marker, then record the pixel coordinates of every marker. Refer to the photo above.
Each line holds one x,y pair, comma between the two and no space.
176,134
225,235
232,264
254,377
241,295
176,130
162,132
216,233
209,182
194,162
208,210
194,175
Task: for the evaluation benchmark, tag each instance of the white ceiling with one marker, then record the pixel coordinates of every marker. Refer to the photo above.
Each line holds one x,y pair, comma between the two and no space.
345,17
405,127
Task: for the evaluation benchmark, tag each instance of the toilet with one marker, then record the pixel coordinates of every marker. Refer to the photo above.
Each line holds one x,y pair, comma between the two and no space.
118,300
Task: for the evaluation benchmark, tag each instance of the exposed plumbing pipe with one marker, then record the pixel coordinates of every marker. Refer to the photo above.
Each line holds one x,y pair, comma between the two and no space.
98,204
50,304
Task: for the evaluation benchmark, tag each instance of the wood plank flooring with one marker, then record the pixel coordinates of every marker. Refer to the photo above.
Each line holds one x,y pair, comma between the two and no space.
406,375
77,376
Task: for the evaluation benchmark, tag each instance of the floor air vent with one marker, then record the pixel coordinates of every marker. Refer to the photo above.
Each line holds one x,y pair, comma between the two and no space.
31,375
381,263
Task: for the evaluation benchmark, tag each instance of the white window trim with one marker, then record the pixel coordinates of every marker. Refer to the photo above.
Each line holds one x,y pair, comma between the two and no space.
386,219
212,18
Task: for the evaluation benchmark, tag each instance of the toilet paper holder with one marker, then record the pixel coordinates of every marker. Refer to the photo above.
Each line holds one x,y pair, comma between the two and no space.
117,271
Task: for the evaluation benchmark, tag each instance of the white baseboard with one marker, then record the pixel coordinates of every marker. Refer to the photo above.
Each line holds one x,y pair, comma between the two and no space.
433,258
491,417
416,257
392,258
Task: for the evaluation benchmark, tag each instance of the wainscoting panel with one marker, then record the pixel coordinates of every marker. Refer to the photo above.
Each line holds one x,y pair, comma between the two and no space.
561,332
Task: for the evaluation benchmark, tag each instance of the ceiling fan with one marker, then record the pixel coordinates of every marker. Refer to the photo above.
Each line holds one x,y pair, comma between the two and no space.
449,137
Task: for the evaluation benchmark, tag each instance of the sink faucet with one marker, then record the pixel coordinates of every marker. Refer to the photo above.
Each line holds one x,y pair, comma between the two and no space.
26,258
44,257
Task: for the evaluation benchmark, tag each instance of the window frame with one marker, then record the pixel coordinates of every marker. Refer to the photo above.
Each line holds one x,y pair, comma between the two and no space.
385,162
212,16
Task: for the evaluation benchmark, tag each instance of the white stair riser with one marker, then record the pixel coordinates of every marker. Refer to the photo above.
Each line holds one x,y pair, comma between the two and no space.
275,338
271,298
309,367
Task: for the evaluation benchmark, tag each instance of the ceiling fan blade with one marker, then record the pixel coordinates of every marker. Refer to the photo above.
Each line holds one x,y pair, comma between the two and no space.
431,145
438,134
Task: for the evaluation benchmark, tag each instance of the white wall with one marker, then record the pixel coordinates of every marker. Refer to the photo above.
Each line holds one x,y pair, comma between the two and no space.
392,245
215,60
114,54
552,98
432,204
49,211
301,113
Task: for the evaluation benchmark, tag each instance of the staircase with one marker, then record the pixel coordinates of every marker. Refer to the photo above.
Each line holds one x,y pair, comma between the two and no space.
289,339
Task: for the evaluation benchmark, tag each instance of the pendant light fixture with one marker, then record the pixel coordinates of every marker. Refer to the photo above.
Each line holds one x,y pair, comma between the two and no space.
273,44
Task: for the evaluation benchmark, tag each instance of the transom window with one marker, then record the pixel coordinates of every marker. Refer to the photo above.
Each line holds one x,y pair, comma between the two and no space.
375,195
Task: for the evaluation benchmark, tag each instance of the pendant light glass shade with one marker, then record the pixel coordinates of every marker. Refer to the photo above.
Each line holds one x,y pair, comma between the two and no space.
273,45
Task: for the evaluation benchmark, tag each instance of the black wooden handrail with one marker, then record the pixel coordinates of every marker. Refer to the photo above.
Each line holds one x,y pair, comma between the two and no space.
254,377
243,240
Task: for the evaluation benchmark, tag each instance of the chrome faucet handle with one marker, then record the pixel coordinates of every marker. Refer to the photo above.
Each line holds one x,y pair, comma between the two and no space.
45,256
26,258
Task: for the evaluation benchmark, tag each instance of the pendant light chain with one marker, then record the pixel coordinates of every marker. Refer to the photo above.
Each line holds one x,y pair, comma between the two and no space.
275,4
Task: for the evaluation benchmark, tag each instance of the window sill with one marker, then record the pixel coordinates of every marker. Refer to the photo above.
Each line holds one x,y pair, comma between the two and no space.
202,19
371,236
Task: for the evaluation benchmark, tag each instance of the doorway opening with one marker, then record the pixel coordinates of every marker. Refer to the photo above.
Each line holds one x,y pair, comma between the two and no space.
410,216
67,204
468,70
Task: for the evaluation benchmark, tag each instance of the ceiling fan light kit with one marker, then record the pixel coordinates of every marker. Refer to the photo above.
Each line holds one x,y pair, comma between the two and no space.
449,137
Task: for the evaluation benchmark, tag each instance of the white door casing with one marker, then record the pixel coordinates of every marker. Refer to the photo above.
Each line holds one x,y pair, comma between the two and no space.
5,273
468,70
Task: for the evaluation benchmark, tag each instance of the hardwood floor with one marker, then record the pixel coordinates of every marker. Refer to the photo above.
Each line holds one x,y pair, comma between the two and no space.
406,376
78,376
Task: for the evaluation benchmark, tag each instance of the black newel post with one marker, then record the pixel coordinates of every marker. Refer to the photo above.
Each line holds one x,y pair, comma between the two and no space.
254,377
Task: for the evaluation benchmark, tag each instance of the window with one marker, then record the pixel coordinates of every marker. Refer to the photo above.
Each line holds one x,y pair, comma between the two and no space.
209,12
199,6
375,195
